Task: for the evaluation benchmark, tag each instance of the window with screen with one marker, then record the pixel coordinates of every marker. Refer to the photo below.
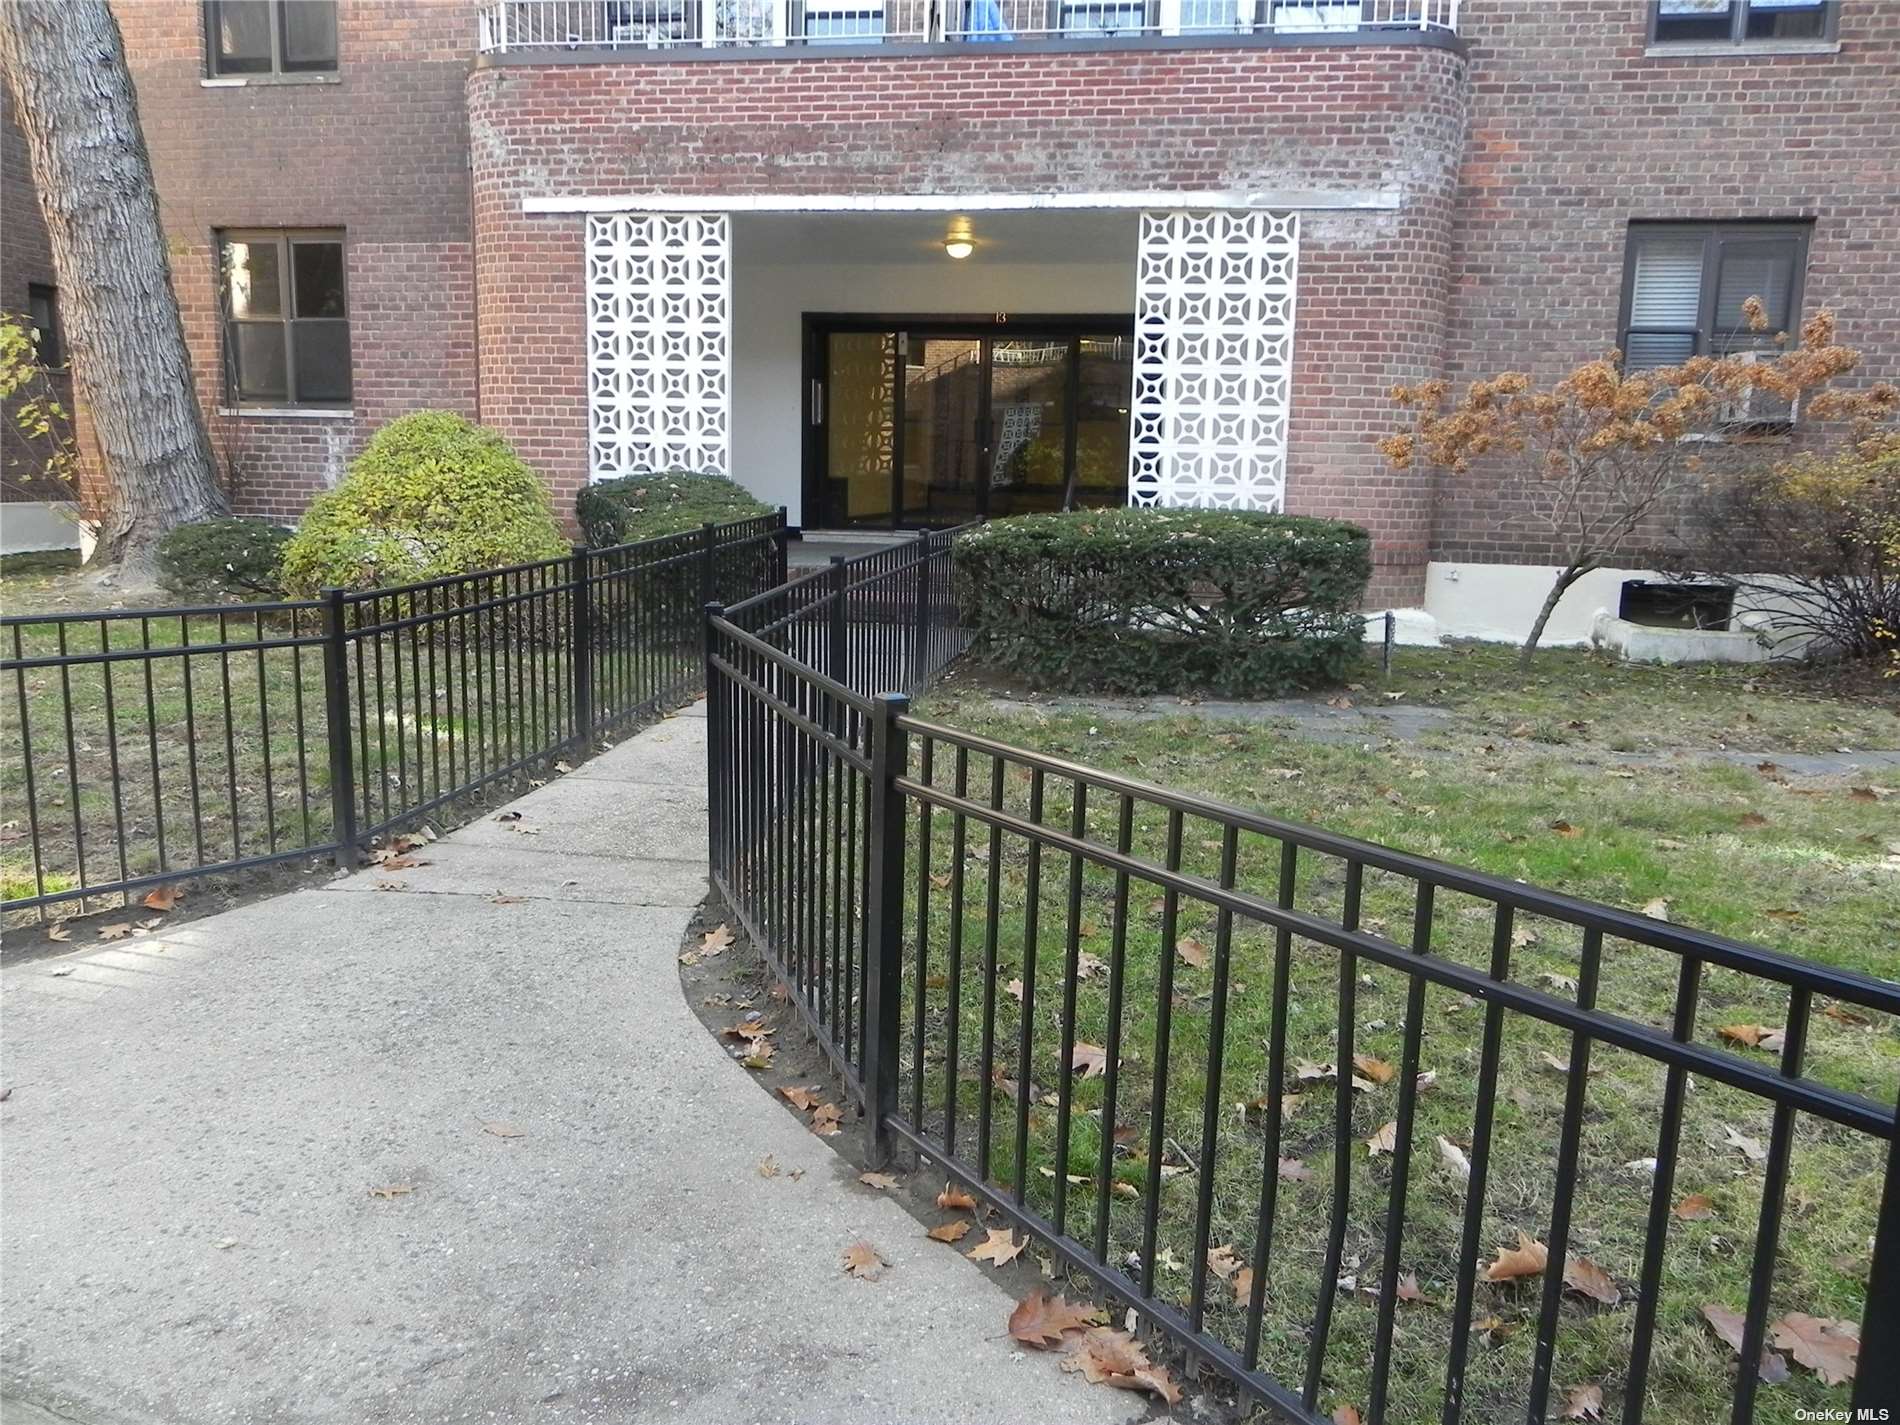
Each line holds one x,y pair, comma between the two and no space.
286,318
256,37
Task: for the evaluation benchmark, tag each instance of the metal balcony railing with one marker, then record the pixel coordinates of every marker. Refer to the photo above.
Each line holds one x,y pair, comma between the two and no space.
513,26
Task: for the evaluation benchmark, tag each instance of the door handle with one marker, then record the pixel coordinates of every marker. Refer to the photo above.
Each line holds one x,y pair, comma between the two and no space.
817,403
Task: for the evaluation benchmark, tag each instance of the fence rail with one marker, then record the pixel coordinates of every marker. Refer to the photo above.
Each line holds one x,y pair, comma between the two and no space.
141,748
1117,1013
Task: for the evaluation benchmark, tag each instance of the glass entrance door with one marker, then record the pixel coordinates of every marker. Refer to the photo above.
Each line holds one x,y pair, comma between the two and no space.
927,425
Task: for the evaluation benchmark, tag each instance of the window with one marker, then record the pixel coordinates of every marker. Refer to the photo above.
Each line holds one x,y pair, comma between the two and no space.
1684,286
1741,22
270,37
42,309
286,319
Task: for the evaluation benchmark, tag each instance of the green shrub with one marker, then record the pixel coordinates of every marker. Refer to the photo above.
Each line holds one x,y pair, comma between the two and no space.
431,494
638,507
1141,600
223,559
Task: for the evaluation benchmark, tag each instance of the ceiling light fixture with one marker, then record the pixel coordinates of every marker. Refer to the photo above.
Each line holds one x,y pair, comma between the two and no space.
957,242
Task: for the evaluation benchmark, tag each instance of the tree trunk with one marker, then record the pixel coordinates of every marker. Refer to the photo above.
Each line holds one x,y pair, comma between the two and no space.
1564,580
65,63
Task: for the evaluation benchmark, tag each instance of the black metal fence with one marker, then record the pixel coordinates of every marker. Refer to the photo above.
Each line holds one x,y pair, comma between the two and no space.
1261,1081
141,748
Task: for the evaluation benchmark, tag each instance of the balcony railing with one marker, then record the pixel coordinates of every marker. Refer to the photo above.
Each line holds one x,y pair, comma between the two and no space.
508,26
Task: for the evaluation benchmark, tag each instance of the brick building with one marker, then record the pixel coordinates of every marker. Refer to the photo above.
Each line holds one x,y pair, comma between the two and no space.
901,262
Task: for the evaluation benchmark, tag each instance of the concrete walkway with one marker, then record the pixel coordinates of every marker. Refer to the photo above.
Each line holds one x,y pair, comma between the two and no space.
198,1122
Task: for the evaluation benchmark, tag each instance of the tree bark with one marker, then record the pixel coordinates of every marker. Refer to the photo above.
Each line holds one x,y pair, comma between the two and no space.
65,63
1564,580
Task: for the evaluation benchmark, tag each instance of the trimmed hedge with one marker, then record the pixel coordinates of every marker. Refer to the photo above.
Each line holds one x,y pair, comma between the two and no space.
637,507
1147,600
223,559
431,494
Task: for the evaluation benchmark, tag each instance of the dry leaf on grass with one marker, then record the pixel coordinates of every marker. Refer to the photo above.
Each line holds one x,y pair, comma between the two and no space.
1755,1036
1087,965
1564,828
1836,1011
1526,1259
1695,1207
1454,1158
162,898
1000,1247
1307,1072
1090,1060
1106,1356
1221,1260
1192,952
949,1231
1825,1346
717,940
1377,1070
1345,1415
1243,1287
1657,909
1015,988
1040,1320
1729,1326
803,1099
861,1260
1386,1140
1292,1170
1584,1402
955,1199
1750,1147
824,1120
883,1182
1586,1278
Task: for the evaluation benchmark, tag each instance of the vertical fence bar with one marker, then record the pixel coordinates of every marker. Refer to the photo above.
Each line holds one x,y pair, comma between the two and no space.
336,713
1877,1382
708,544
581,651
884,920
718,777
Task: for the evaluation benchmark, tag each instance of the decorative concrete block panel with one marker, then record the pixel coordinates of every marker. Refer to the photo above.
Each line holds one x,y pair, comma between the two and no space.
1213,359
659,321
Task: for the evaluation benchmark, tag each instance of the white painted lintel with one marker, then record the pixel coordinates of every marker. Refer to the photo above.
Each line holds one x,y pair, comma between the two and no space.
1310,200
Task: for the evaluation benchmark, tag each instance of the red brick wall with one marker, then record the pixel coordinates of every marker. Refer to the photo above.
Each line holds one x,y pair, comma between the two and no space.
1575,132
1348,118
380,150
26,260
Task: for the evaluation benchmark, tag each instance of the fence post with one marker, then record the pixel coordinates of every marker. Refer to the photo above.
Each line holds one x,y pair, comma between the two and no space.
1877,1383
837,662
920,616
708,542
718,775
581,650
336,716
781,542
884,919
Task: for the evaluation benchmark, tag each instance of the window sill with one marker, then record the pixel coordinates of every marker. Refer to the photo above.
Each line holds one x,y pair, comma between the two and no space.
1760,49
264,81
299,413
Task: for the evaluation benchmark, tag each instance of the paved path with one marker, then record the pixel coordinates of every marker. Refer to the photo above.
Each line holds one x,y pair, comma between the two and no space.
197,1121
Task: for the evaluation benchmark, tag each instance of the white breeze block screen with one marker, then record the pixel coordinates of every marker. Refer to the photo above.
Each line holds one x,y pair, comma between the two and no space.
1213,359
659,319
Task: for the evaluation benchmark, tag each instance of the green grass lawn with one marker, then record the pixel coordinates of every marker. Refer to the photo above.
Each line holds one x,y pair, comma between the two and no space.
1522,780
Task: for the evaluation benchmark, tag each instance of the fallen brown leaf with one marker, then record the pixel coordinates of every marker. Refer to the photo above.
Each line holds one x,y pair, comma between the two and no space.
1292,1170
1695,1207
1454,1158
1377,1070
824,1120
955,1199
1586,1278
717,940
949,1231
1563,828
1192,952
1835,1011
1243,1287
1040,1320
1222,1262
1345,1415
1584,1402
1750,1147
883,1182
116,931
1386,1140
60,932
1091,1060
1657,909
1729,1326
1755,1036
1827,1347
862,1261
161,898
768,1166
802,1099
1526,1259
1000,1247
1106,1356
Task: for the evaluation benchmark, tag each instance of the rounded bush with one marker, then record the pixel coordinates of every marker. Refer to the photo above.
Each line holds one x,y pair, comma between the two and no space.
223,559
431,494
1148,600
637,507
